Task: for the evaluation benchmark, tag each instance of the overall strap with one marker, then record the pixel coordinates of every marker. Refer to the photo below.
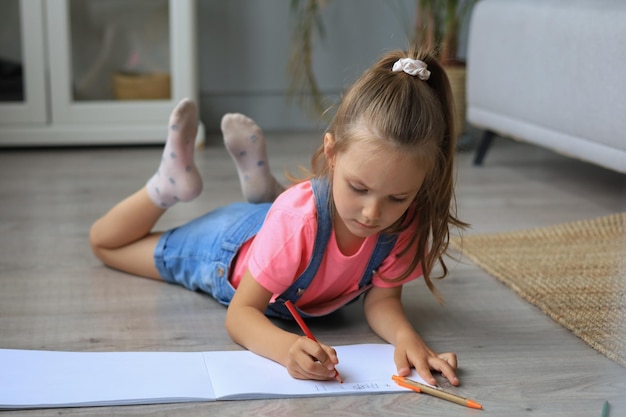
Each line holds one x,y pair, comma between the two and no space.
321,193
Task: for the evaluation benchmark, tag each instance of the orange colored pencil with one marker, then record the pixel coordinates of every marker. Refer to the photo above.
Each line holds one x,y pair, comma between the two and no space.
306,330
435,392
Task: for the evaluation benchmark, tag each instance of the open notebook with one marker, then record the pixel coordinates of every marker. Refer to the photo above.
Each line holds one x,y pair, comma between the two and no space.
46,379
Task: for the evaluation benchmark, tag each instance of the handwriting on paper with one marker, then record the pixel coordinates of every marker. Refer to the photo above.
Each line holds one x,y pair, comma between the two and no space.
370,386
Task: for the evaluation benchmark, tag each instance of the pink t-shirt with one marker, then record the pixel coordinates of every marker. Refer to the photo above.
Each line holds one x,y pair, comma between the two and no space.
282,249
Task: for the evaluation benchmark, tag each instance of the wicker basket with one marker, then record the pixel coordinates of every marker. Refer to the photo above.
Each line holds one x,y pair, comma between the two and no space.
131,86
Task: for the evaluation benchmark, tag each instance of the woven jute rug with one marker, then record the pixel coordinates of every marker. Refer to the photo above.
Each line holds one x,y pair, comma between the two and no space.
574,272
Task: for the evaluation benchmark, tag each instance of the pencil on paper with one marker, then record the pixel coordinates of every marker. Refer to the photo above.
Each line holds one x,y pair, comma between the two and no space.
305,329
435,392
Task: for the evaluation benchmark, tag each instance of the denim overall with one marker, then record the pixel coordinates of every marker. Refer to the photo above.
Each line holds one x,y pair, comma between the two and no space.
198,255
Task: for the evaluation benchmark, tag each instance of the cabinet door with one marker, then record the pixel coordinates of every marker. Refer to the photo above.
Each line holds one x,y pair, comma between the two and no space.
110,61
22,79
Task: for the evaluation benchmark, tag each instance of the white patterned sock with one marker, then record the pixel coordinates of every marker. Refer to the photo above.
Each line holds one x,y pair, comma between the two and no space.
177,178
245,142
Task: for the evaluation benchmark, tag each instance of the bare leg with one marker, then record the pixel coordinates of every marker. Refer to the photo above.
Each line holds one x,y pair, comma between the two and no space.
245,142
123,237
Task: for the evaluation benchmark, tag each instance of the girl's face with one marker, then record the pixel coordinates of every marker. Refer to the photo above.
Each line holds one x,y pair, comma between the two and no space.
373,185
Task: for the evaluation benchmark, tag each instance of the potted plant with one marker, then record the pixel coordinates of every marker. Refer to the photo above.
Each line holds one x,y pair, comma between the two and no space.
437,26
306,23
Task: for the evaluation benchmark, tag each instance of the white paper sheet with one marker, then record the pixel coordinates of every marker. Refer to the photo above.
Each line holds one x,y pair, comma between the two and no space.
364,368
32,379
46,379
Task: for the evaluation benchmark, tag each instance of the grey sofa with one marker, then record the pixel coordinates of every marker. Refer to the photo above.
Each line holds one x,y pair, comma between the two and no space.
550,72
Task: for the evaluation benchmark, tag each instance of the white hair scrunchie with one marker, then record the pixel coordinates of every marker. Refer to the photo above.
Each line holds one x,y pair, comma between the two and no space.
413,67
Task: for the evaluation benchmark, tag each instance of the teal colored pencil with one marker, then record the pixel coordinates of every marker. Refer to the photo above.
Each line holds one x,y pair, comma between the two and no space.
605,409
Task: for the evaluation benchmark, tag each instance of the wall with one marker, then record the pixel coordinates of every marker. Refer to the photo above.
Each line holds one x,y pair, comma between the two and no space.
243,52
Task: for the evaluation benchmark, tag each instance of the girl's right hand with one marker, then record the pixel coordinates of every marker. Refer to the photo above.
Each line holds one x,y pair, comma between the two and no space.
308,359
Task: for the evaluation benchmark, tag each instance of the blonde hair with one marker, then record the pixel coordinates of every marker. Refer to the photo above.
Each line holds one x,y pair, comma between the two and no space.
417,117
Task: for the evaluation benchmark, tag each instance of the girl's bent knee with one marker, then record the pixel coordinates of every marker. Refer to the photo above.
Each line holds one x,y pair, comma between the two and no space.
97,244
94,243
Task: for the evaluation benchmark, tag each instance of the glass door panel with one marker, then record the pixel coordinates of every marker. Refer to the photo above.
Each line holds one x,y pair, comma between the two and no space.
119,61
11,60
120,50
22,69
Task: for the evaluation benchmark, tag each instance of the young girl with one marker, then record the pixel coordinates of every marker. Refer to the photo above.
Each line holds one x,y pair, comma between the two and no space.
373,214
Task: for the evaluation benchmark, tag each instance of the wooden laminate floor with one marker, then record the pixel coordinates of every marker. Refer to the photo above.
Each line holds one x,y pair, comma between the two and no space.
513,359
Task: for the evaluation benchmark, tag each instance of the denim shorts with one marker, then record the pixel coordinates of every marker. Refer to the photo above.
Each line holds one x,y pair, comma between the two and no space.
198,255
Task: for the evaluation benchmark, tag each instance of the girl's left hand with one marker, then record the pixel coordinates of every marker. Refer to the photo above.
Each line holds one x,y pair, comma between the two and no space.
413,352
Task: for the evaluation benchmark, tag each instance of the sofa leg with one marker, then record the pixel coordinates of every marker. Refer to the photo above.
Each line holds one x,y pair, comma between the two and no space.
483,147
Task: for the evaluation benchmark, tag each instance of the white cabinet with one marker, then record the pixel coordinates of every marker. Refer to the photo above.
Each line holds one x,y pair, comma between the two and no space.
95,71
